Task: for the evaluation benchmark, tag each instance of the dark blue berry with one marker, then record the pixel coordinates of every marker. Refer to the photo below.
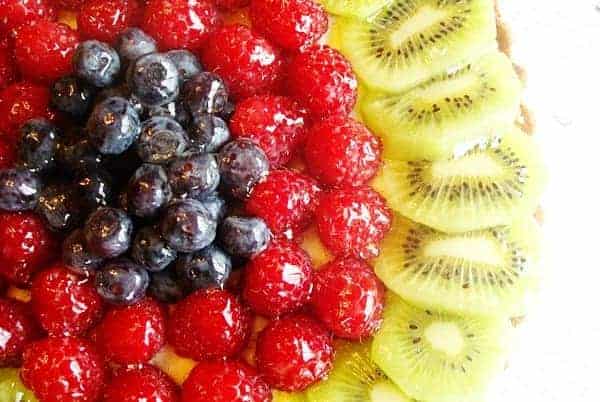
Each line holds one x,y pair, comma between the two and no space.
148,191
207,268
227,111
187,226
205,93
150,250
174,110
134,43
108,232
122,282
214,204
75,151
242,165
19,189
77,257
60,206
244,237
154,79
38,142
94,186
72,96
187,64
194,175
162,140
208,133
97,63
113,126
122,166
165,287
122,91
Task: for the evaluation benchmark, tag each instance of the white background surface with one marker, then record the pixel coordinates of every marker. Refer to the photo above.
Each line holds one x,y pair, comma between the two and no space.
557,357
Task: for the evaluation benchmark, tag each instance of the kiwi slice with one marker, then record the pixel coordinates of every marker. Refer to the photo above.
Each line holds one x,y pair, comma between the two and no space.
490,271
493,184
280,396
360,9
435,120
438,357
355,378
12,389
409,41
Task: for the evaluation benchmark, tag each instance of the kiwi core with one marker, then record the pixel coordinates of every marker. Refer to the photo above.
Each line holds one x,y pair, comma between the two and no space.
424,18
477,249
475,165
445,337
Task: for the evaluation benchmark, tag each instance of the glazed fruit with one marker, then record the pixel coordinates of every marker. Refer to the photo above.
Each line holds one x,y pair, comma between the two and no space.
60,206
205,93
106,20
7,69
145,383
188,226
113,126
161,141
244,237
72,96
206,269
37,145
122,282
19,189
150,250
154,79
242,165
15,13
97,63
134,43
108,232
20,328
148,191
12,388
194,175
20,102
76,255
7,154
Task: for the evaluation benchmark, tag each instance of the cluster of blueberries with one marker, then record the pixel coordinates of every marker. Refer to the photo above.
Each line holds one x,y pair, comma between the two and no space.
145,176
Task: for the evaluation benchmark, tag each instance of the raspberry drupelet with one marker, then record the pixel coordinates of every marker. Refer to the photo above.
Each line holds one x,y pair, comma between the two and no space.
18,328
144,383
14,13
20,102
105,20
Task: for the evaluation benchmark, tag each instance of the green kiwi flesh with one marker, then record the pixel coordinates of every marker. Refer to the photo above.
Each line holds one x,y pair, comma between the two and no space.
12,389
280,396
485,272
355,378
493,184
438,357
437,118
409,41
360,9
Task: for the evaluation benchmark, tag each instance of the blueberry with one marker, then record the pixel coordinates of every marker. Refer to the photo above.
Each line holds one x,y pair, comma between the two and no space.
94,186
60,206
108,232
97,63
207,268
148,191
154,79
151,250
205,93
194,174
227,111
187,226
242,165
162,140
175,110
122,91
77,257
72,96
165,287
38,142
75,152
19,189
113,126
244,237
214,204
122,166
122,282
208,133
134,43
187,64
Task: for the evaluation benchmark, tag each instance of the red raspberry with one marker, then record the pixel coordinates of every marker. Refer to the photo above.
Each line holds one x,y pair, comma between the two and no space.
14,13
7,68
342,152
17,329
26,246
229,5
145,383
278,280
286,200
322,80
353,222
63,370
132,334
64,303
225,381
249,64
20,102
180,23
276,123
70,4
44,49
294,352
105,20
348,298
290,24
7,153
209,324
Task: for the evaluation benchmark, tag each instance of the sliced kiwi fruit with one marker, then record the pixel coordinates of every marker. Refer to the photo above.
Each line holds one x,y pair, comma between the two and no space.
280,396
436,119
494,183
360,9
484,272
12,389
355,378
409,41
438,357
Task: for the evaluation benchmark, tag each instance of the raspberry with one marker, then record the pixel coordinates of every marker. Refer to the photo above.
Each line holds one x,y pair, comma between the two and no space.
275,123
229,5
322,80
20,102
286,200
290,24
278,280
225,381
294,352
18,329
342,152
105,20
26,246
353,221
14,13
132,334
248,63
7,153
209,324
7,68
70,4
179,24
44,49
348,298
63,370
145,383
64,303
